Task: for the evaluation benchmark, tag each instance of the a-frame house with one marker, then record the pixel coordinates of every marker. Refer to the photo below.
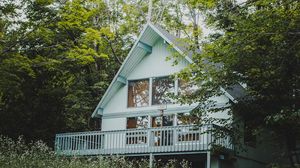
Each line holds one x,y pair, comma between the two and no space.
139,119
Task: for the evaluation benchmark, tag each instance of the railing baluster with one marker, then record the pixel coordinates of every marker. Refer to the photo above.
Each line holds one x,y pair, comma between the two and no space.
99,141
96,142
67,143
71,143
115,142
92,142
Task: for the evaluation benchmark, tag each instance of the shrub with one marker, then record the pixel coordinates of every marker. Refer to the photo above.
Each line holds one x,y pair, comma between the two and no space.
18,154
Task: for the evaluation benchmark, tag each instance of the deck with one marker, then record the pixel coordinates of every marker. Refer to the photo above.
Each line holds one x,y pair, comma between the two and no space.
163,140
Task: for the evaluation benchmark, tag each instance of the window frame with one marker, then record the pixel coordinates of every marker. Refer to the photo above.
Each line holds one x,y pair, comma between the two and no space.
150,83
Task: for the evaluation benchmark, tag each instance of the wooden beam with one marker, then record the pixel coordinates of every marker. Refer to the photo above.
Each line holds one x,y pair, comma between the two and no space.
99,112
121,79
145,47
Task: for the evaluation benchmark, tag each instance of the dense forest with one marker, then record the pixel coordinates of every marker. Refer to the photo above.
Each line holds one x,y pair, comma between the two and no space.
59,56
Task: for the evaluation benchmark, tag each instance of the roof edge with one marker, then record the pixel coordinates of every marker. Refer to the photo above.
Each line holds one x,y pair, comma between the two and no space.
94,115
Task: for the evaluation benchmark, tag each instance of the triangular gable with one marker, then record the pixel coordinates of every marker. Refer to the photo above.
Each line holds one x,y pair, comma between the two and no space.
141,48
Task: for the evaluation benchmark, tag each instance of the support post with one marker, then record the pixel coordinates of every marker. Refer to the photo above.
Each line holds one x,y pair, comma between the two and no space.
208,159
151,159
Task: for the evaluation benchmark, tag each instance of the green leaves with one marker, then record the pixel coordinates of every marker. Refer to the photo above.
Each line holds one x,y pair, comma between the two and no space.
74,15
55,65
259,47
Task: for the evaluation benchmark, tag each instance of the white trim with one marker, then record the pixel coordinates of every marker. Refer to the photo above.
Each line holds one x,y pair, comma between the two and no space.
176,87
228,95
182,109
150,91
115,77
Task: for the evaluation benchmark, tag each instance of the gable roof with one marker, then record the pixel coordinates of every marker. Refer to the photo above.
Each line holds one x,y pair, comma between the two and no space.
235,92
142,47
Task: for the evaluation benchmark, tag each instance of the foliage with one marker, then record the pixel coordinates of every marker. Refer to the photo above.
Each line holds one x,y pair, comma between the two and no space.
57,58
257,45
15,154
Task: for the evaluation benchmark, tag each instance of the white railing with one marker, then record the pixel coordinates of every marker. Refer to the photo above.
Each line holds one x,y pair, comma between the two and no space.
136,141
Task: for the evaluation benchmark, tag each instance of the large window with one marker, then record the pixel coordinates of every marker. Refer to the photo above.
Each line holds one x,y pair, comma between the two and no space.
161,90
138,93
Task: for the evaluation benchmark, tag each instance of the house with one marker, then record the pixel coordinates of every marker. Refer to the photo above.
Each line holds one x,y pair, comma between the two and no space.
138,119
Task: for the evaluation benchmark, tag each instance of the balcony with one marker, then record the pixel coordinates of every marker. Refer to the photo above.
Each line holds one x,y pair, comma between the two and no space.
162,140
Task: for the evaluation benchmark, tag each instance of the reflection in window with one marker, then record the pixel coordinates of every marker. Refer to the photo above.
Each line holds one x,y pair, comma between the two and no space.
161,88
138,93
159,121
185,88
137,122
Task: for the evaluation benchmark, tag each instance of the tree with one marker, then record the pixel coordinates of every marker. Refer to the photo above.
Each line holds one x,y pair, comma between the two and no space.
257,44
57,58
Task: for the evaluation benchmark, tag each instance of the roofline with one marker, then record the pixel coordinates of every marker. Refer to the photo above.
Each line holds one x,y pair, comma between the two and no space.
117,74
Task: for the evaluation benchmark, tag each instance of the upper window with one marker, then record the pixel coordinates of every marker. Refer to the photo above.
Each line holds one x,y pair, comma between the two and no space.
138,93
185,88
161,87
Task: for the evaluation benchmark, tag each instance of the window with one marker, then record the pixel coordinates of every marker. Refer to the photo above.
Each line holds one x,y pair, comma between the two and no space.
159,121
137,122
137,137
185,88
138,93
161,88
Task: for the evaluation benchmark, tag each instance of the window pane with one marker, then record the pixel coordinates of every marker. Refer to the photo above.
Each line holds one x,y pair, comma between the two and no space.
159,121
138,93
137,122
161,87
185,88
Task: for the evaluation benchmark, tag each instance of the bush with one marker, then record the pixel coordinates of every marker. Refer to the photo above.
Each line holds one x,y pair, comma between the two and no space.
18,154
